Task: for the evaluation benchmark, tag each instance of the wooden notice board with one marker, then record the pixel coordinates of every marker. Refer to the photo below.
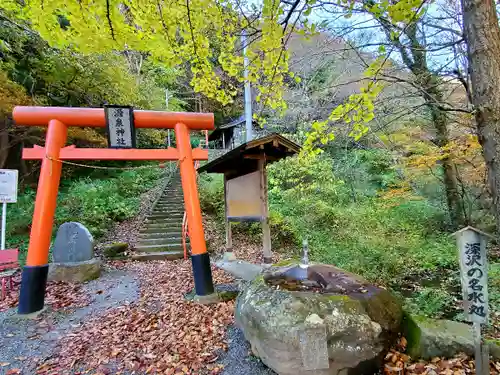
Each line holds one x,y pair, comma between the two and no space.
243,198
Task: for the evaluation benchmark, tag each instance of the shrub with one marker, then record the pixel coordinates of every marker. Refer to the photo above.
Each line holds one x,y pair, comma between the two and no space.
96,203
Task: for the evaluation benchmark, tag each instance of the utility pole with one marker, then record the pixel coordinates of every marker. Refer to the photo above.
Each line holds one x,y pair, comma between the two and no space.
166,106
248,91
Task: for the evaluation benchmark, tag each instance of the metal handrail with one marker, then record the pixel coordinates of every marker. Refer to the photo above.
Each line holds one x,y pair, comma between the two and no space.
184,233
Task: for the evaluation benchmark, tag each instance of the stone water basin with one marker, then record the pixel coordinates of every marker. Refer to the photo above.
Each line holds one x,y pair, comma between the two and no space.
318,319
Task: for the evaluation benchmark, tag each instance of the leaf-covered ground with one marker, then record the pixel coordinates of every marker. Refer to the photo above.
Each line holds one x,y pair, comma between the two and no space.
398,363
159,332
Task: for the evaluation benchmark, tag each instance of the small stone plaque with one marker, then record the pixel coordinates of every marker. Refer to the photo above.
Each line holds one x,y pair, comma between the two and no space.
73,243
313,347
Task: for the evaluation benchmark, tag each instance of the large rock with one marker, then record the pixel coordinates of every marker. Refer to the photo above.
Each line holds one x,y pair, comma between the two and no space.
115,250
73,243
342,327
75,272
429,338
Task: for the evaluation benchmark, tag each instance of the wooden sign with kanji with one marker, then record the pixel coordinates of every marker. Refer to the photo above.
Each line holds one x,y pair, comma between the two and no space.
120,126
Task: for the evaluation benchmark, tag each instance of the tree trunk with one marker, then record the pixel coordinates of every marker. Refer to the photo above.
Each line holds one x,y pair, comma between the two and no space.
433,98
482,34
4,146
453,198
414,56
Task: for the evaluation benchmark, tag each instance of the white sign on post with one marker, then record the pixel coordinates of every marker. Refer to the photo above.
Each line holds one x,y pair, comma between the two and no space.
8,194
8,185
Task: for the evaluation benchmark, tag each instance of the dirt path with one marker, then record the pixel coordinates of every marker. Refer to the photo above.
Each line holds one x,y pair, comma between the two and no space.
25,344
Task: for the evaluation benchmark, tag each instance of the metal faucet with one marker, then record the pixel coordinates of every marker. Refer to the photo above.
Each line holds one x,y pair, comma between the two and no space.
304,263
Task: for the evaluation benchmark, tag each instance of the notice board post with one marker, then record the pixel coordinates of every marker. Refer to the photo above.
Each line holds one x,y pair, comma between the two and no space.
8,194
245,185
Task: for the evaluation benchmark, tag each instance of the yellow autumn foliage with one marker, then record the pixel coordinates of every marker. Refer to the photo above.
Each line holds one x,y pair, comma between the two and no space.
11,94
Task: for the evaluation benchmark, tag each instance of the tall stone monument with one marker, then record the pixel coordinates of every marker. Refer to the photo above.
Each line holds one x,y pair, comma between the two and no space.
73,255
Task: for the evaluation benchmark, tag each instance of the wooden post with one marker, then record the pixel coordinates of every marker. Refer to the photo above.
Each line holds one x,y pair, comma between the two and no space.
481,367
266,232
229,254
471,244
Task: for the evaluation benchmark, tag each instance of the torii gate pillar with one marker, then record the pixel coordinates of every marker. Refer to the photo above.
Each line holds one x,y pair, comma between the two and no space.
34,275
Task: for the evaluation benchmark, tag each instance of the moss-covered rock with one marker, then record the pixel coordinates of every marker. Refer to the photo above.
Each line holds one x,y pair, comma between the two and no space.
75,272
428,338
359,326
115,250
494,346
225,292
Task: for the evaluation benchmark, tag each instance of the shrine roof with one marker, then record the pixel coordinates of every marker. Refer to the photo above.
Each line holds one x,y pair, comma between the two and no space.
245,158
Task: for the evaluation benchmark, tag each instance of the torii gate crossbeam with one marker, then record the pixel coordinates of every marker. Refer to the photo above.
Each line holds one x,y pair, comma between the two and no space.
57,119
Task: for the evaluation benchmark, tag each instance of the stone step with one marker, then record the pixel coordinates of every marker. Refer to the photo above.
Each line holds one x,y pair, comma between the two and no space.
161,231
169,228
152,224
175,214
167,219
162,255
161,241
162,215
163,223
167,214
168,210
156,248
155,233
172,206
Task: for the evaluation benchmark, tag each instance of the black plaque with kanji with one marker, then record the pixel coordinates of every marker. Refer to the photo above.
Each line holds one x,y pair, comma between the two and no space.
120,126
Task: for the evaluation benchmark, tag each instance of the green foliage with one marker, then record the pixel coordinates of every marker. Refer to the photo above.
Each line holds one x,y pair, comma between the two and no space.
314,175
211,188
494,285
66,78
338,203
96,203
431,302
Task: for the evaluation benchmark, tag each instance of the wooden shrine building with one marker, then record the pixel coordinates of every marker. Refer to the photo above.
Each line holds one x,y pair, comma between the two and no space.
245,183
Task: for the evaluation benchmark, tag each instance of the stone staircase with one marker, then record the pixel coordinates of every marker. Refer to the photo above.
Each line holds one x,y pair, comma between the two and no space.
161,235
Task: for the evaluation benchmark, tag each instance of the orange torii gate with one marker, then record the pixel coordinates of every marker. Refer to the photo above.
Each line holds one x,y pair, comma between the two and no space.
58,119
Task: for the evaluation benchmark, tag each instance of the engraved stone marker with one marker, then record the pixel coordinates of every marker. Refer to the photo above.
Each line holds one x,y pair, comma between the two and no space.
313,345
73,243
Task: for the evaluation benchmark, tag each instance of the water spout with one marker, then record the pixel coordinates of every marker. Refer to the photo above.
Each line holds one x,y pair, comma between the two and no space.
304,262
